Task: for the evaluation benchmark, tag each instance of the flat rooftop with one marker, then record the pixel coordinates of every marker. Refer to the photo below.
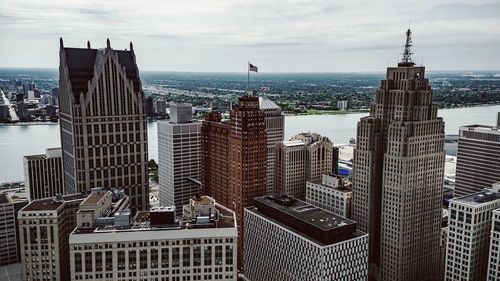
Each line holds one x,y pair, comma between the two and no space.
294,143
485,196
94,198
315,223
142,222
50,204
346,189
36,157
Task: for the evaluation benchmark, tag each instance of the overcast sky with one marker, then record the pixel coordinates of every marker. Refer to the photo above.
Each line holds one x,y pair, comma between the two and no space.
278,36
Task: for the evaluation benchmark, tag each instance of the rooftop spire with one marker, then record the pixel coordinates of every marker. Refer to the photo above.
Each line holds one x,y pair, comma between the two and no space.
88,44
406,59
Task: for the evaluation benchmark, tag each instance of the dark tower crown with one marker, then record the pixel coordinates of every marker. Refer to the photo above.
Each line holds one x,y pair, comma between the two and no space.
406,59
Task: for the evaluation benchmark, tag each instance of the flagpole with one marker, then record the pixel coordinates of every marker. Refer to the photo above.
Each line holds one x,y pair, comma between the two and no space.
248,76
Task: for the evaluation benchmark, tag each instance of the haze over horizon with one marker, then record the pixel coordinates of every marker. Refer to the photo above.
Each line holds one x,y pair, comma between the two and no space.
281,36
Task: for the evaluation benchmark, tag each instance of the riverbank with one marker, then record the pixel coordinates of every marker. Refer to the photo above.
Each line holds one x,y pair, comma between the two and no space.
350,111
30,123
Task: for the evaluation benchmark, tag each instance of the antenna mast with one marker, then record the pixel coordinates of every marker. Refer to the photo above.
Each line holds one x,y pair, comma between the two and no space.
406,59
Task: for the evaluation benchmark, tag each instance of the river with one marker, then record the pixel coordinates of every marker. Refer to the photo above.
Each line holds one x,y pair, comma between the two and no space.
17,141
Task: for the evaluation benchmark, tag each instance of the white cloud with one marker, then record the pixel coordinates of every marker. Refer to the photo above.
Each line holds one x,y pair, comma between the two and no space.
221,35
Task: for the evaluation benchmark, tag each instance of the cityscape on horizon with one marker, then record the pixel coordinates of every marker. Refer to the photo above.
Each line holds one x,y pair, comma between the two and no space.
180,176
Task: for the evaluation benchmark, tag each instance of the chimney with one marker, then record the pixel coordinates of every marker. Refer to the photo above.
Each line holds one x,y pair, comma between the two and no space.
498,120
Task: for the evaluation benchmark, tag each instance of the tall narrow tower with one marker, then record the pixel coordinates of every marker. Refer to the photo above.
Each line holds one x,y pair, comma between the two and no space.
103,122
398,175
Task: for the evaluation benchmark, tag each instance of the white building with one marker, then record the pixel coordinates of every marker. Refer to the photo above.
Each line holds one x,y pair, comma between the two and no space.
469,228
494,256
342,105
154,245
332,193
275,131
43,174
306,156
288,239
179,152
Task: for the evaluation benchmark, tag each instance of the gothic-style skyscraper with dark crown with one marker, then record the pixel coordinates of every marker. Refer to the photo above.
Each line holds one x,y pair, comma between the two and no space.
103,122
398,175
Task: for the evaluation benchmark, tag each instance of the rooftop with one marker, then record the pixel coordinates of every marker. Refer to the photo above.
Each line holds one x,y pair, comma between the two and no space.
94,198
265,103
51,204
315,223
485,196
4,198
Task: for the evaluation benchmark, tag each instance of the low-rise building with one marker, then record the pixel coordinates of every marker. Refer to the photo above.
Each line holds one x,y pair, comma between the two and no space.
288,239
333,193
155,244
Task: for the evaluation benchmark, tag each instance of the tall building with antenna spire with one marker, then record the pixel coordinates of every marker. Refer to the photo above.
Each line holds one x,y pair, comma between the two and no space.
398,175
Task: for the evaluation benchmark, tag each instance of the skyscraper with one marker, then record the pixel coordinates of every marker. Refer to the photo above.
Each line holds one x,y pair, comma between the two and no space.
477,159
103,122
305,157
215,158
43,174
247,157
179,156
234,155
275,130
398,175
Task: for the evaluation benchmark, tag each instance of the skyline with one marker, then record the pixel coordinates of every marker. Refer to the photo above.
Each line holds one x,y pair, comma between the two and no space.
288,36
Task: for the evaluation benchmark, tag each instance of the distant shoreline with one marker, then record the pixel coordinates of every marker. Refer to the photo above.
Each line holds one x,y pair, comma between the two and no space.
341,112
29,123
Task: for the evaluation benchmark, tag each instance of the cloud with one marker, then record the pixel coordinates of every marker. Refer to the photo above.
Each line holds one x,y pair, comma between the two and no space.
192,35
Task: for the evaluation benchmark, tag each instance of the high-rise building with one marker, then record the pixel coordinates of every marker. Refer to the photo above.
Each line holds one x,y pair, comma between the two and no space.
288,239
494,255
215,158
149,107
342,105
469,229
398,175
275,130
247,158
44,228
306,157
103,122
333,193
234,157
9,241
154,245
43,174
477,159
179,156
161,107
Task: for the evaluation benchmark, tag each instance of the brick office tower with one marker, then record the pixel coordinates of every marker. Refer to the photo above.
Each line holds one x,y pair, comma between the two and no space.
103,122
398,176
214,158
234,158
247,158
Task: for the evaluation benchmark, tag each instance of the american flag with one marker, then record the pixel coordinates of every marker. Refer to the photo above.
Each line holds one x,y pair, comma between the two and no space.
253,68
